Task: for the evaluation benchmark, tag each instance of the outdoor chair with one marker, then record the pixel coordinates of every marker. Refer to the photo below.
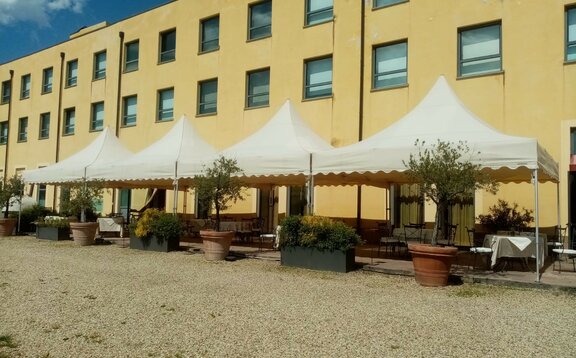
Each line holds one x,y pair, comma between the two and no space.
413,233
564,252
386,238
557,242
448,239
273,237
477,250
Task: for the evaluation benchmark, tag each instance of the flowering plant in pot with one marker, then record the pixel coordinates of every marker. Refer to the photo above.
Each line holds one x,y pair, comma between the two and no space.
10,193
445,172
53,228
81,200
217,188
156,231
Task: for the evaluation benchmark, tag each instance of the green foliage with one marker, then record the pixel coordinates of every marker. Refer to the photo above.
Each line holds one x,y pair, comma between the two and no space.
162,225
32,214
82,198
58,222
219,186
446,173
319,232
11,192
7,341
502,216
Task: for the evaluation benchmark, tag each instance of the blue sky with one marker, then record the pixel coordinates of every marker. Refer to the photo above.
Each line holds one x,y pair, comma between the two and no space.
27,26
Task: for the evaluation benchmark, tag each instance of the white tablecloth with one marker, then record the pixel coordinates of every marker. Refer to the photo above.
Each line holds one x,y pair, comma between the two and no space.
514,246
111,225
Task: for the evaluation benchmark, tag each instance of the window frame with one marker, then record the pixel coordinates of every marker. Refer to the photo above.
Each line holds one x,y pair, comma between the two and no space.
22,129
201,105
375,63
567,42
249,95
129,63
44,133
202,42
251,29
41,195
307,86
25,86
69,128
479,58
96,124
396,2
125,115
161,42
6,87
4,126
71,81
160,110
308,14
47,85
99,73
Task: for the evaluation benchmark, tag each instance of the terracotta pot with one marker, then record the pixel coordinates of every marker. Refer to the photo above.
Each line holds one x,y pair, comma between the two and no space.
7,226
432,263
216,244
83,233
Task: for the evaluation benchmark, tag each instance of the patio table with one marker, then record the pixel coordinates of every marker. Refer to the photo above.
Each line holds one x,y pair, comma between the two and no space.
514,246
115,224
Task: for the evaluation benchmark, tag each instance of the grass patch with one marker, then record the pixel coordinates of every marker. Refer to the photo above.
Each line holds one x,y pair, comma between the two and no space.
469,292
7,341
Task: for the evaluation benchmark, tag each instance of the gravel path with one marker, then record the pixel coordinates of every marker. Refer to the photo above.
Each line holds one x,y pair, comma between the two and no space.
59,300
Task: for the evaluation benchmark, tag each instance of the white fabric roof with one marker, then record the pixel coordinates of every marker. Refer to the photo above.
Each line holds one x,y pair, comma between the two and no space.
180,153
378,160
105,149
279,152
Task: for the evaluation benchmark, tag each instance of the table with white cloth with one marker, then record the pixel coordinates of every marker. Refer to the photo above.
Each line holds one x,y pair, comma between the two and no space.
514,246
115,224
400,234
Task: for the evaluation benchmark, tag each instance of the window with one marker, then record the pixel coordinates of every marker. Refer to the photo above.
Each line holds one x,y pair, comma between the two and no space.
44,125
23,129
318,11
129,114
318,74
207,97
72,73
479,50
571,34
42,195
390,65
383,3
260,20
6,90
131,56
100,65
97,117
69,121
168,46
47,75
165,105
209,34
4,132
25,87
258,88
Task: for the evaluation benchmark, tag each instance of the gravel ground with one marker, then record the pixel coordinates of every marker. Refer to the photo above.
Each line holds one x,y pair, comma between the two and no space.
59,300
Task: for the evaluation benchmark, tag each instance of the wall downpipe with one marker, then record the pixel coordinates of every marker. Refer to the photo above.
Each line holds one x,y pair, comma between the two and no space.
361,108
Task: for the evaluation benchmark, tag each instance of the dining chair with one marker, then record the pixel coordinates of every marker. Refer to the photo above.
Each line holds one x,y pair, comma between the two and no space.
413,233
448,240
564,252
273,237
387,239
557,241
478,250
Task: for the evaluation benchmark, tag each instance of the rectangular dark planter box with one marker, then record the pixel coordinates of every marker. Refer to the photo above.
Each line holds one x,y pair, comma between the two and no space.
153,244
315,259
52,233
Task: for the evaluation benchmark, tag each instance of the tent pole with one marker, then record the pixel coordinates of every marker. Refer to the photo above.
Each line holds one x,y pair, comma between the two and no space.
310,191
537,220
558,209
175,188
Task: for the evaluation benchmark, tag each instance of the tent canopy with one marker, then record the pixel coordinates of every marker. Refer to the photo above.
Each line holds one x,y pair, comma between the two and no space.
180,154
278,153
379,159
105,149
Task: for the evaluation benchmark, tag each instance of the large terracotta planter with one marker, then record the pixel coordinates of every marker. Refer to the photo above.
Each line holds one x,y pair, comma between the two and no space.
432,263
7,226
216,244
83,233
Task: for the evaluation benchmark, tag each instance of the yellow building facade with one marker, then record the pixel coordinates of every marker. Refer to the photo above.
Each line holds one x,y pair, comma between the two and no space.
350,67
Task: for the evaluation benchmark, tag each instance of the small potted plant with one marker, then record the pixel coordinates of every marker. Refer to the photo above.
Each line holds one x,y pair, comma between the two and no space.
317,243
10,193
217,188
156,231
445,173
53,228
82,199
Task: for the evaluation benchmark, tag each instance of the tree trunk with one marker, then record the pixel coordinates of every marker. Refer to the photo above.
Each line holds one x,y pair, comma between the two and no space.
440,209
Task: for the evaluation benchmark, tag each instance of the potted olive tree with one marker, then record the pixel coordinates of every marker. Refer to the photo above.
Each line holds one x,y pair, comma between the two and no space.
156,231
318,243
445,173
217,187
83,196
10,193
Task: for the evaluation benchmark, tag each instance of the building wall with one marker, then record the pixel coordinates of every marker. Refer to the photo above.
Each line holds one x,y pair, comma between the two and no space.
532,96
